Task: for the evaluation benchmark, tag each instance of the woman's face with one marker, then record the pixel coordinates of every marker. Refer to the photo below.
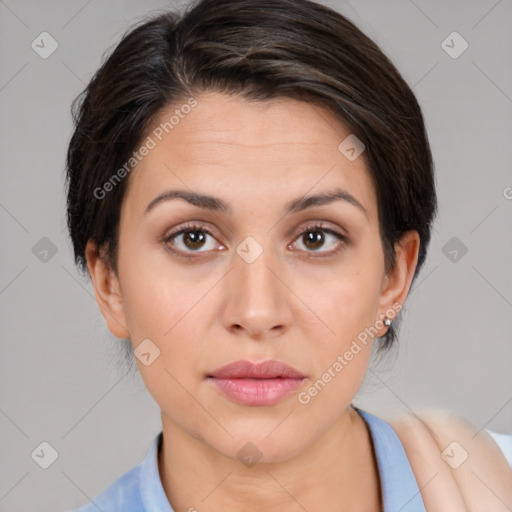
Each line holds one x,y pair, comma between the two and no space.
266,284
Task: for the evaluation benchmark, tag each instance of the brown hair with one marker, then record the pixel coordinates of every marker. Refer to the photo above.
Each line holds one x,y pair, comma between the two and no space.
258,49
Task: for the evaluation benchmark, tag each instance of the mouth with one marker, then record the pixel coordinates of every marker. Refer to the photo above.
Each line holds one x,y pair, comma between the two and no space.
247,383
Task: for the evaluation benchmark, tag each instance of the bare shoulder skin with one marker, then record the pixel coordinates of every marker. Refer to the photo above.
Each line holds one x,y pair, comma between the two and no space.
458,467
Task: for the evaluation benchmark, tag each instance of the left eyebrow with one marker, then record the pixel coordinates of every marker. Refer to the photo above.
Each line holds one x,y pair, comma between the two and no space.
324,198
215,204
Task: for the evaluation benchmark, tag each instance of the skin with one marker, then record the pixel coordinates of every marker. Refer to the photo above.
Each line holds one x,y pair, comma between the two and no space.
479,483
292,304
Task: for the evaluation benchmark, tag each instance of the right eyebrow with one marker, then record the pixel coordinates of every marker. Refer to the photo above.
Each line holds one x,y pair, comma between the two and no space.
199,200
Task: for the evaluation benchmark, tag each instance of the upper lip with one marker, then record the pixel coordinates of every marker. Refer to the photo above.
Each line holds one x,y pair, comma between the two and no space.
269,369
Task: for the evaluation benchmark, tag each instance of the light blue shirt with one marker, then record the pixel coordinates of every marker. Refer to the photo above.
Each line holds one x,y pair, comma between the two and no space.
140,489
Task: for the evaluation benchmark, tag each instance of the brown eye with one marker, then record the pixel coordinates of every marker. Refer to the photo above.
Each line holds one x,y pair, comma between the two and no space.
315,237
193,239
190,239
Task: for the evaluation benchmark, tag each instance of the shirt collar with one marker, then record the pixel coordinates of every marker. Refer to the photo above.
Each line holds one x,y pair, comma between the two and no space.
399,487
152,493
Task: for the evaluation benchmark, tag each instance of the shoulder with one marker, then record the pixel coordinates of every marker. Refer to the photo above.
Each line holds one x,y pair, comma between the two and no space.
457,466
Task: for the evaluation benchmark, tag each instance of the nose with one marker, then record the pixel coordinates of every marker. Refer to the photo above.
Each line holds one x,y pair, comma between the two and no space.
257,295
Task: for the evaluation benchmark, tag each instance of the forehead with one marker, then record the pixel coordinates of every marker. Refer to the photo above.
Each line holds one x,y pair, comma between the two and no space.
243,149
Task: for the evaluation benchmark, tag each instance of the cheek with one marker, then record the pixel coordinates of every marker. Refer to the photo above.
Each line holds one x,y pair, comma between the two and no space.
165,301
348,307
164,310
166,305
349,302
160,307
156,294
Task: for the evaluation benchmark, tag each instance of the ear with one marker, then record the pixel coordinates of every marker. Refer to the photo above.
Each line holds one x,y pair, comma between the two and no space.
107,291
396,284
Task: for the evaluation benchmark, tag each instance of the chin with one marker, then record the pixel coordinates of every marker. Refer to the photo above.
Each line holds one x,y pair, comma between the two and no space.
257,446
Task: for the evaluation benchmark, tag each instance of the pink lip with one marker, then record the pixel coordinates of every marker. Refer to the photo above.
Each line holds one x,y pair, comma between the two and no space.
264,383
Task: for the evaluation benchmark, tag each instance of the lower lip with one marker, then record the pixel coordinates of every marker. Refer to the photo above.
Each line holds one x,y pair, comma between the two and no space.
256,391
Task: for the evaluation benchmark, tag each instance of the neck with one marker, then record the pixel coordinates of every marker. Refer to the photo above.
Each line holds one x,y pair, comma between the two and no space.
341,463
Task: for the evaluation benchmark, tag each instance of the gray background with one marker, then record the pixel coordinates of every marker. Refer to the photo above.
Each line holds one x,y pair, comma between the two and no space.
61,379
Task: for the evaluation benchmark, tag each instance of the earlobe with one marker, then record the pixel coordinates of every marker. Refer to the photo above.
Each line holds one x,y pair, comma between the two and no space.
107,291
397,283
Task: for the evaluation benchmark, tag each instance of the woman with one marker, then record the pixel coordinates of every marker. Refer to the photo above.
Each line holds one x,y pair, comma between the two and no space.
251,191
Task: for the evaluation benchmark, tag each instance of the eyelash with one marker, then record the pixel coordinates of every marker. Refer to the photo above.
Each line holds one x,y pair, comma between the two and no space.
319,226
